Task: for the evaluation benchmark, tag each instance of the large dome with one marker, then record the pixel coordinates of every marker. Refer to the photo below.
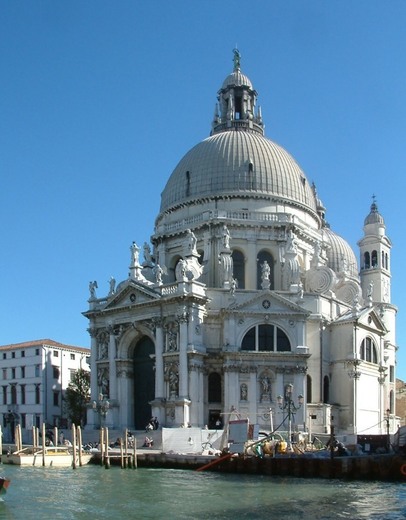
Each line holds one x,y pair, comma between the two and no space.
237,160
237,163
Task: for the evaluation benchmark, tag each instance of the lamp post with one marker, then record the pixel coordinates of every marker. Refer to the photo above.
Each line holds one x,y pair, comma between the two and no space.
288,404
387,418
101,407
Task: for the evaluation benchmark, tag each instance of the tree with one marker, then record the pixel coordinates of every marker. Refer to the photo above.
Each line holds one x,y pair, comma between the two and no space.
77,396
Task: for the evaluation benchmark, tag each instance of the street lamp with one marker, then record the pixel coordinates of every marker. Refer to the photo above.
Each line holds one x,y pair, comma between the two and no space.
101,407
387,418
288,404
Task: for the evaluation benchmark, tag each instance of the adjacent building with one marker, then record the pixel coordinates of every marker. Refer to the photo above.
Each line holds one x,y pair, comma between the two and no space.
246,301
34,376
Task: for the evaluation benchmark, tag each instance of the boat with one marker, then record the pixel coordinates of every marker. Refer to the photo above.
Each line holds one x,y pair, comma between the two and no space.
55,456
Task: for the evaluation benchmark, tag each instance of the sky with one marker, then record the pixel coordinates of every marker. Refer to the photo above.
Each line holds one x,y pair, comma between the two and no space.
101,99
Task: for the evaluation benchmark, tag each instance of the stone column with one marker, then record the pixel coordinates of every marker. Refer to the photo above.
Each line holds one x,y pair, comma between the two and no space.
253,394
183,364
93,365
251,265
125,394
93,380
159,363
112,364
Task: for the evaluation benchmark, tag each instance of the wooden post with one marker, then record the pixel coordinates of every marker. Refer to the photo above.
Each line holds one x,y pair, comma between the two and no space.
20,437
126,446
135,463
101,446
79,435
122,454
43,444
74,446
55,435
1,441
34,437
106,440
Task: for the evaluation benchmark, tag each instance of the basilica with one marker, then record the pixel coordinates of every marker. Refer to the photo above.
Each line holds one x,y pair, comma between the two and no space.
245,302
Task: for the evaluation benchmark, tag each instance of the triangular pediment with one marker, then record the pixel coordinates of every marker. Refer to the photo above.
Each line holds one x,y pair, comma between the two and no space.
270,302
131,292
366,318
370,319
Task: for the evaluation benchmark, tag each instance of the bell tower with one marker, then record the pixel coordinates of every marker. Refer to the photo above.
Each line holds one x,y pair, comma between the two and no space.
375,249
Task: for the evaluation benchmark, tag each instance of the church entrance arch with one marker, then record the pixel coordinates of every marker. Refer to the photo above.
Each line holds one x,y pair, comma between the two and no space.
144,382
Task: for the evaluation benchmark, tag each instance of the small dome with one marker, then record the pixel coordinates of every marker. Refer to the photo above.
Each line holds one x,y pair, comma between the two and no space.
374,216
236,79
340,255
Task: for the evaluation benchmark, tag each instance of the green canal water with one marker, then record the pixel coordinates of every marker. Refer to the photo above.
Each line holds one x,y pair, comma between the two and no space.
93,492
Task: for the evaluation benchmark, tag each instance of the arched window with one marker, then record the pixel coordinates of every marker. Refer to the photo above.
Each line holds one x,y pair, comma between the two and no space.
326,389
264,256
266,338
239,268
383,260
374,258
368,351
367,261
214,388
308,389
386,261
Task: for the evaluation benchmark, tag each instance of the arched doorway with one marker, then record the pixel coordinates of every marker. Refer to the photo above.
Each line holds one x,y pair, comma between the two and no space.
144,382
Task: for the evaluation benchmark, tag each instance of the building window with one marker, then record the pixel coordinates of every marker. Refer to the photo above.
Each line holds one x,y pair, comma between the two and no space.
13,355
22,372
391,374
13,373
214,388
56,398
4,394
72,356
56,353
266,338
23,421
37,351
391,402
239,268
13,394
37,370
368,351
55,372
264,256
72,374
4,355
4,373
308,389
23,353
37,394
22,394
367,261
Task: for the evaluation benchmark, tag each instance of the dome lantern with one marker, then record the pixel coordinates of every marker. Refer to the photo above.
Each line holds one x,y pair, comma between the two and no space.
236,103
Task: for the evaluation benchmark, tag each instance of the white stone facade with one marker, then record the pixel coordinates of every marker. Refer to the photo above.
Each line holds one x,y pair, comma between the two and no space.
247,290
34,376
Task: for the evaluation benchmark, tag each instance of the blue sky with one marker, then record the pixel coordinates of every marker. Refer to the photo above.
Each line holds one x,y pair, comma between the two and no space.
101,99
